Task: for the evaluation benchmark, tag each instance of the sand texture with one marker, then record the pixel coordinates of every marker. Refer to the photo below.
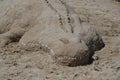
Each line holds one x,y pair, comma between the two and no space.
59,40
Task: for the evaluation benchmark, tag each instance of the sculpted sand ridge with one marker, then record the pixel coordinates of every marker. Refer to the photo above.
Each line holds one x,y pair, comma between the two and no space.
62,33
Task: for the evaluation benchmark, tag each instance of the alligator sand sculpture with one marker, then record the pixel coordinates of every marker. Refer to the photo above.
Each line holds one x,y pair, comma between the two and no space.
61,33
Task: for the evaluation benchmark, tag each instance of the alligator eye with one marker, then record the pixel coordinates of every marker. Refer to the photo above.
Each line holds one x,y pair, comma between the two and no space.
64,40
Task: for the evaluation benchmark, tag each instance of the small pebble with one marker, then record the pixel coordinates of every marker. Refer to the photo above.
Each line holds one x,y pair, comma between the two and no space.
97,68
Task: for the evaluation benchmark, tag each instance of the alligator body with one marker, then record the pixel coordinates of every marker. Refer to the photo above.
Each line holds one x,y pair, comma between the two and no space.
62,33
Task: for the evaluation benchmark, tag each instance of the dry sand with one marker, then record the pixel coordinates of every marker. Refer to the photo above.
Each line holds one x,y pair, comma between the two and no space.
104,15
